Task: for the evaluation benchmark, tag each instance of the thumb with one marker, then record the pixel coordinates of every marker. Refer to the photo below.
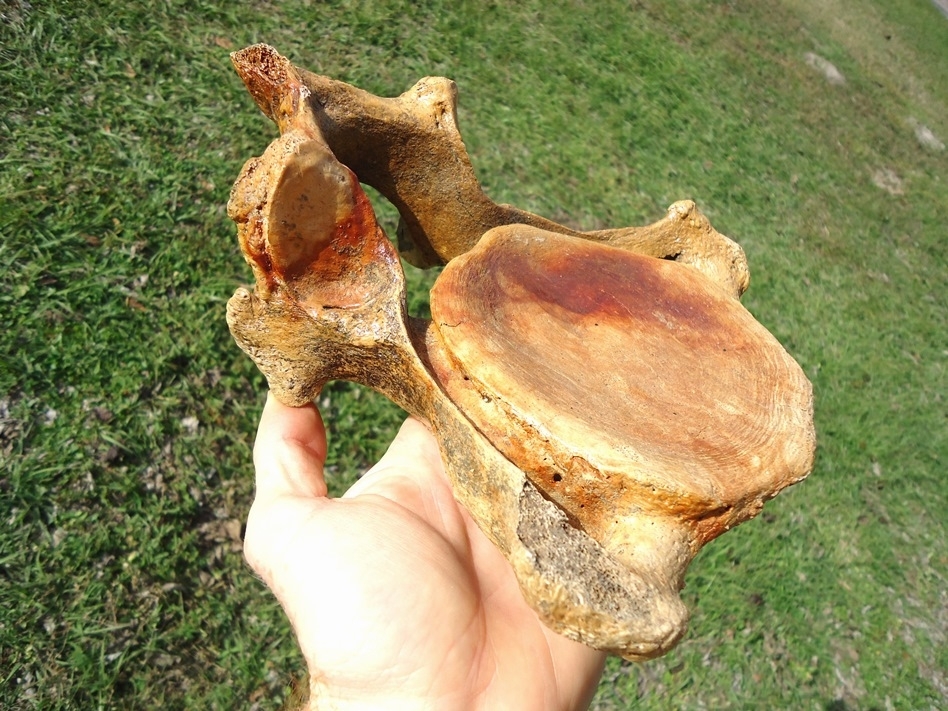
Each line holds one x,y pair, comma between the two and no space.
413,453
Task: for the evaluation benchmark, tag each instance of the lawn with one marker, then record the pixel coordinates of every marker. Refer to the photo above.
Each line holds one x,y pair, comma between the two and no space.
127,413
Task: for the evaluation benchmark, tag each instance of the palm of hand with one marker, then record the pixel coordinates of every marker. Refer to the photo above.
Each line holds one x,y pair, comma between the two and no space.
397,598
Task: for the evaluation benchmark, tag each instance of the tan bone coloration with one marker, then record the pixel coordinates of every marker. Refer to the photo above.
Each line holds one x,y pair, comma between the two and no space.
409,148
602,413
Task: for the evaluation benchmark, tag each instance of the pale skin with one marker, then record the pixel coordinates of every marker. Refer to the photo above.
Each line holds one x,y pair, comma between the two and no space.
397,599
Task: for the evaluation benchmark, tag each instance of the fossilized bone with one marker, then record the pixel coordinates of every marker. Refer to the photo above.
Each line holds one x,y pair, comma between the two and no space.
410,150
602,413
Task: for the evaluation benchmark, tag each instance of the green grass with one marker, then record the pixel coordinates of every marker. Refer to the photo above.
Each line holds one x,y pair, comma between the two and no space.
127,413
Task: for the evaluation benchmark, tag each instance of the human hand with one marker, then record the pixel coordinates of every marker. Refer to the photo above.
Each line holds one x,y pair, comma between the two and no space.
397,598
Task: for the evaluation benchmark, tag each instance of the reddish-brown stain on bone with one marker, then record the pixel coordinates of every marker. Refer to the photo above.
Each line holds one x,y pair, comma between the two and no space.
591,282
322,235
675,394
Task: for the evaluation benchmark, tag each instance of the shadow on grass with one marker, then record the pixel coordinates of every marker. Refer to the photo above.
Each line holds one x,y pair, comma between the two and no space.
840,705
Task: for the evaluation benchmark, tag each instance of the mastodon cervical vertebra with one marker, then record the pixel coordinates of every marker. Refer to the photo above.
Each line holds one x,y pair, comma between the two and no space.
605,405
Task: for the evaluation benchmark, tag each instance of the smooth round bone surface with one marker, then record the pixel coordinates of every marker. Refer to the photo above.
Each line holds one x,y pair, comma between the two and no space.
602,413
620,382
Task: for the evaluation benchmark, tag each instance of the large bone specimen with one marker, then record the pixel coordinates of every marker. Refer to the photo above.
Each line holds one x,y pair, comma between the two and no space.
410,150
602,413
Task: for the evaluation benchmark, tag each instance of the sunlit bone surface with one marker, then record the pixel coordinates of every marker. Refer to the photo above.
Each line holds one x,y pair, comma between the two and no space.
602,412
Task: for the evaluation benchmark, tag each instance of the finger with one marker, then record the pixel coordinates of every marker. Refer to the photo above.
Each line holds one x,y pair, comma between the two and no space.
290,451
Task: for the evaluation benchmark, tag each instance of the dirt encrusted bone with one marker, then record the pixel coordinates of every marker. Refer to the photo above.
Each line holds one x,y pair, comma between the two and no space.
630,615
604,404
